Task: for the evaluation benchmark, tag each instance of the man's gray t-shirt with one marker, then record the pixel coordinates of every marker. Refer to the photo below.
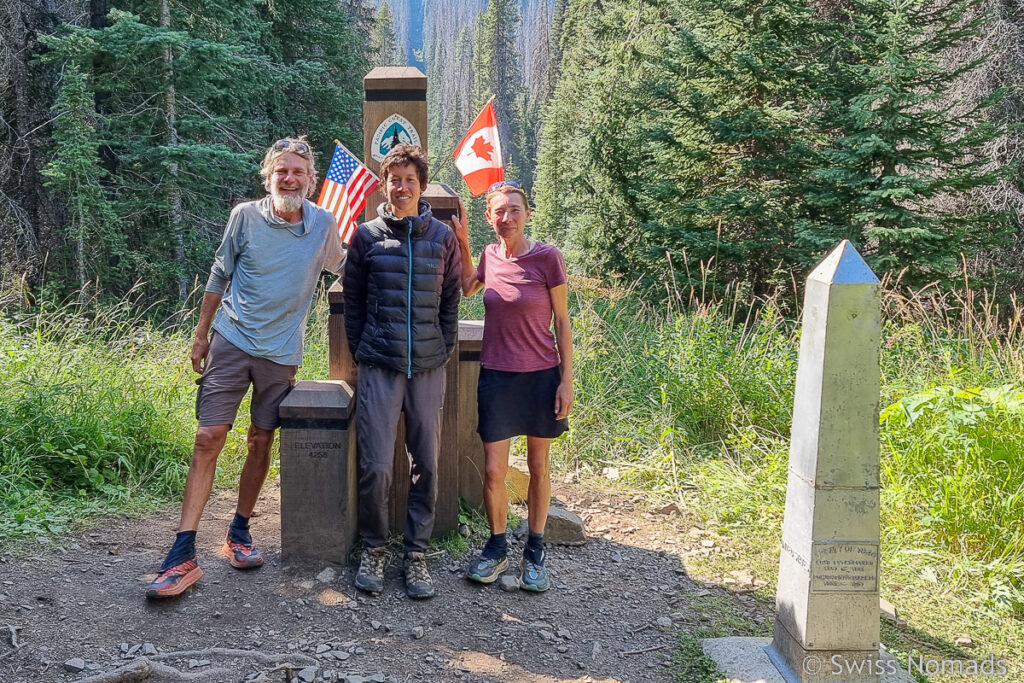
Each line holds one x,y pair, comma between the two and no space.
267,269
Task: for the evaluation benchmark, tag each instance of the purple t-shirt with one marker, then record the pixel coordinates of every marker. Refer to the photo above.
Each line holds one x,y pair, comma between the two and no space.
517,308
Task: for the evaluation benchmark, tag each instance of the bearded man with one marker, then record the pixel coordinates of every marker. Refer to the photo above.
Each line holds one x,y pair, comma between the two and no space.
260,288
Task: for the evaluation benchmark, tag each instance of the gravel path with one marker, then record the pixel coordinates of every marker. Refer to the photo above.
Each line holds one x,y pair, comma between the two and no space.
77,610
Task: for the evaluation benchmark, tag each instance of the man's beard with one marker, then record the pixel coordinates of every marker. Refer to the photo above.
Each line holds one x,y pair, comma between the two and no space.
287,203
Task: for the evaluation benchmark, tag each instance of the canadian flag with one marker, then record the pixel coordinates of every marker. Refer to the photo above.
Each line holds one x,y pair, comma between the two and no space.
478,156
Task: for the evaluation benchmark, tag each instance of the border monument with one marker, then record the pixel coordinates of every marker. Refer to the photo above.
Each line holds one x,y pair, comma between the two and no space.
827,626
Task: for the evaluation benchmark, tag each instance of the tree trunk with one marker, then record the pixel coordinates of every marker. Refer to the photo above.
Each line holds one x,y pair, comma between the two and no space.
80,271
98,13
27,214
173,192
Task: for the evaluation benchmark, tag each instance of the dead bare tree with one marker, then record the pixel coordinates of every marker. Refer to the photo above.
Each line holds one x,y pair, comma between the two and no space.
1001,43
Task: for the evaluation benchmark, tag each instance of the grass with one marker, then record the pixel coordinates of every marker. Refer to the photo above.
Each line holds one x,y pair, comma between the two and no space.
97,416
690,664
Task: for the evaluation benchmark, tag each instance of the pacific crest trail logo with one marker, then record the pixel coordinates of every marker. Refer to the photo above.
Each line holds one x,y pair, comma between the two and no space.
394,130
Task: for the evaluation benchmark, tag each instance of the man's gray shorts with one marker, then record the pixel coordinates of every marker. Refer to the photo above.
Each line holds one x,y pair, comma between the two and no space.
229,372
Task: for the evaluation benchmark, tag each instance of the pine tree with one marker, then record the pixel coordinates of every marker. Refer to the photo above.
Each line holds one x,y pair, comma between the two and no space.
555,44
904,148
726,111
75,175
579,207
496,72
383,46
750,136
319,56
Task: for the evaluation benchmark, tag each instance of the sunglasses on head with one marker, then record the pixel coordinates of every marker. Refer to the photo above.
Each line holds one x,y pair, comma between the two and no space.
297,145
508,183
504,183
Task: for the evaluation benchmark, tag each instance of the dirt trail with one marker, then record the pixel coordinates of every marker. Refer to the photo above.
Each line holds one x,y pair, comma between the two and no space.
615,613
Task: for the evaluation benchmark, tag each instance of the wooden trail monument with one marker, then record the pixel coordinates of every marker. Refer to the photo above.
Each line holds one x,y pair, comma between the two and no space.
827,627
395,111
319,462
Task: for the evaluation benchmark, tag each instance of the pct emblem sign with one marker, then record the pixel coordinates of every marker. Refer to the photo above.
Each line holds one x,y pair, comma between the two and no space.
395,129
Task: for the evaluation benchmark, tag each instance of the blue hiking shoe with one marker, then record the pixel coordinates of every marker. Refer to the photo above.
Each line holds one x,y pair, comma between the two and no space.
487,569
533,577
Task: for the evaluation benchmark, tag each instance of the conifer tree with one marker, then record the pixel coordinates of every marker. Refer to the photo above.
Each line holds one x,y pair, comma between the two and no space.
158,80
578,205
712,171
320,58
751,136
904,147
384,48
496,72
75,175
555,44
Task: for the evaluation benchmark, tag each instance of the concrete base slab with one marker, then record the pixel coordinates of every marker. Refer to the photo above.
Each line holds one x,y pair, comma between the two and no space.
745,660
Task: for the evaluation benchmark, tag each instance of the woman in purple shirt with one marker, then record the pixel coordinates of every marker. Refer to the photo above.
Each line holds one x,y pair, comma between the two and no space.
526,371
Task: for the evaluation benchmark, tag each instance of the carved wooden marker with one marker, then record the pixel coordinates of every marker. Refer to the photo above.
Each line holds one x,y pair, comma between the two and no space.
394,111
318,471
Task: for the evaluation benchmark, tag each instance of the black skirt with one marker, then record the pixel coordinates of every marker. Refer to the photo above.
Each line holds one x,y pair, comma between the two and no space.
518,403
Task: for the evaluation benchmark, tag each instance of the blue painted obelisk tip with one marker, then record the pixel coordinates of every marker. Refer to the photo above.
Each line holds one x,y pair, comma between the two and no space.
844,266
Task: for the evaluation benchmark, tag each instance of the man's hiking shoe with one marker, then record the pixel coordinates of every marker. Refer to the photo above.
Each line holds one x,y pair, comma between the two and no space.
242,556
175,581
418,584
370,577
487,569
533,577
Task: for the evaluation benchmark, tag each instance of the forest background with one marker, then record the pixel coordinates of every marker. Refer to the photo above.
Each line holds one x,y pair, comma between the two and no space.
692,159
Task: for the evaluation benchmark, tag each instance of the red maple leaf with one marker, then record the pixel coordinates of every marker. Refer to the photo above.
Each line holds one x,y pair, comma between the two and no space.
482,148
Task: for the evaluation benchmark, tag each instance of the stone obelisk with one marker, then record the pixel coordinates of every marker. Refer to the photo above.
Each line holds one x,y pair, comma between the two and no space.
827,600
827,627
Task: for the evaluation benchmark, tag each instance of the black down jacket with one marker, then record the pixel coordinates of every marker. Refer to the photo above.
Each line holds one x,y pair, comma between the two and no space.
401,287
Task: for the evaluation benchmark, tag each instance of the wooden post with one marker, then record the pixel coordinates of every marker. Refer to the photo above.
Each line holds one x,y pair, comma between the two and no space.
395,110
444,202
394,107
471,448
446,512
399,479
318,471
340,364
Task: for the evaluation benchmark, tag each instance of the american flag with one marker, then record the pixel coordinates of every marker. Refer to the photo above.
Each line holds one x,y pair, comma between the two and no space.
345,189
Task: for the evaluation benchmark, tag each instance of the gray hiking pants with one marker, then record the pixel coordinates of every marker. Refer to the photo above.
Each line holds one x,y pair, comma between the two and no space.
381,396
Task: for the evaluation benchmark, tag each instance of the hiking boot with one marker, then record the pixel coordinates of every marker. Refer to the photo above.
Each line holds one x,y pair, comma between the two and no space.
175,580
370,577
533,577
418,584
241,555
487,569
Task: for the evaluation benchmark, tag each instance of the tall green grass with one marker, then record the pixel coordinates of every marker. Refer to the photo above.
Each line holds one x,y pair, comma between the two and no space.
97,413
